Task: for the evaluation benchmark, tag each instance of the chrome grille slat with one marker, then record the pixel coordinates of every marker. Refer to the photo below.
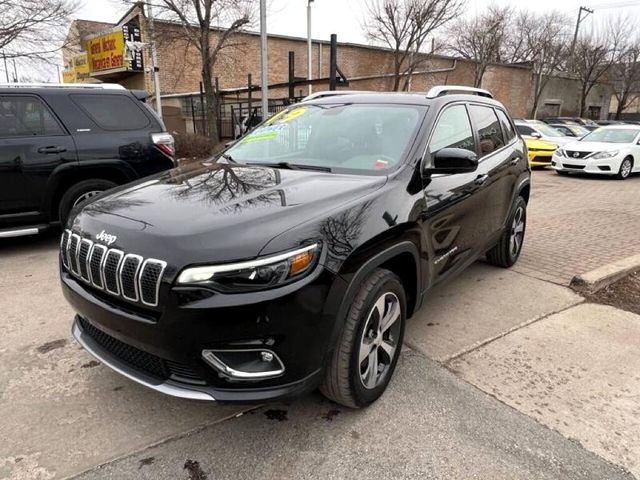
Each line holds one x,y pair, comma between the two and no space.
125,275
128,274
95,265
83,256
110,270
72,253
149,281
64,244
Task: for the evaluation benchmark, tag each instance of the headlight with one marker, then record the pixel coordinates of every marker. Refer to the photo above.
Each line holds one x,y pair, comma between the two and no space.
602,155
259,274
560,152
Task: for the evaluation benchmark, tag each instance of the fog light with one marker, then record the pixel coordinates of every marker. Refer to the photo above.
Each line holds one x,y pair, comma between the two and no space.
246,364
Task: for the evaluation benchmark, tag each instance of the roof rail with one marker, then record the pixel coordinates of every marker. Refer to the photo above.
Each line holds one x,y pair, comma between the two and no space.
104,86
332,93
441,90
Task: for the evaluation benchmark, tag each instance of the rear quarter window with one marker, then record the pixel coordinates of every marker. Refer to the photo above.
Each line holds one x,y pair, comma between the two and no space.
112,112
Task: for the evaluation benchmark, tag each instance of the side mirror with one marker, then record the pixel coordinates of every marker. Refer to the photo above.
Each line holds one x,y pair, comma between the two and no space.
535,135
454,160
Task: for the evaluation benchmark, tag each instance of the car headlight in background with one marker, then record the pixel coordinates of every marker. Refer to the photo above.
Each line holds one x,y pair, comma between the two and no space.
560,152
258,274
603,155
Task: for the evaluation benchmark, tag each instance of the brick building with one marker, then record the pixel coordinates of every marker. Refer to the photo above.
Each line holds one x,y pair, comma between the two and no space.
366,68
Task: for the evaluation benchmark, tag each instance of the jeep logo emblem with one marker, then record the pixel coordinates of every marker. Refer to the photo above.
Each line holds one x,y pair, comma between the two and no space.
106,237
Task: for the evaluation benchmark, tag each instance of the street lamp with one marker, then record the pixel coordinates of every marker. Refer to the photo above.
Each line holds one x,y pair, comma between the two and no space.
264,68
309,44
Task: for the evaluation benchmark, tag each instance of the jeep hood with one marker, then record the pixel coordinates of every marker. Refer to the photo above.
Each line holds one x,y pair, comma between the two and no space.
218,212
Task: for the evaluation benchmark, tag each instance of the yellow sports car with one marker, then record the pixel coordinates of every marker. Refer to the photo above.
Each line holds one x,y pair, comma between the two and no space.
540,152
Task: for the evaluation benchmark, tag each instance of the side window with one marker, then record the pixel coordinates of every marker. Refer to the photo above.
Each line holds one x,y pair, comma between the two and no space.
26,116
507,126
112,112
489,132
453,130
523,129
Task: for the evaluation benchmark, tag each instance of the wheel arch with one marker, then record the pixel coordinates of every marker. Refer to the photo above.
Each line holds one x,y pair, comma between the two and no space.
65,178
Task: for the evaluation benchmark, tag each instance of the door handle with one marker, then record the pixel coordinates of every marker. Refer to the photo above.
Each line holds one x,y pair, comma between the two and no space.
480,179
51,149
515,160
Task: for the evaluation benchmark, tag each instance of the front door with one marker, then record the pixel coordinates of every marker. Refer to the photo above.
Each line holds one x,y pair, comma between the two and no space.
32,144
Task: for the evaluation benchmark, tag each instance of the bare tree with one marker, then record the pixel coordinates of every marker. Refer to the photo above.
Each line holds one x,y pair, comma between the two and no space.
592,59
543,44
625,75
33,28
209,25
481,39
403,26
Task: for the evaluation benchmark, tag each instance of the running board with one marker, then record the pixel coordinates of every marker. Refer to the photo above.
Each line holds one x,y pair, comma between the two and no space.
19,232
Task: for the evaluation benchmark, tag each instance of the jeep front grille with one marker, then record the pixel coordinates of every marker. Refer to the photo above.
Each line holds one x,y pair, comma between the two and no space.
121,274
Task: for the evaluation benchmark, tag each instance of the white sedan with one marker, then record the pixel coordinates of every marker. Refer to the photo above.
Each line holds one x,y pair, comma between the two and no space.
612,150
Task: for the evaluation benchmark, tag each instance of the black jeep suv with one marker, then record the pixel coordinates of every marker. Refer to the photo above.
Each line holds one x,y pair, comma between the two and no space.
293,260
62,144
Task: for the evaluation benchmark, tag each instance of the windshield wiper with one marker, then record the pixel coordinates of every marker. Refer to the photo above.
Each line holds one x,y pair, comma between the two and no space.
227,157
292,166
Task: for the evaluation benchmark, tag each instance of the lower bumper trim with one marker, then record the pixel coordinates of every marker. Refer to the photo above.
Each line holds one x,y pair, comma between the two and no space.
115,364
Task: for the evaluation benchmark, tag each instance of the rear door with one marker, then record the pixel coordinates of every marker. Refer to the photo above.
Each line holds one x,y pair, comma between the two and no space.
116,128
33,143
496,175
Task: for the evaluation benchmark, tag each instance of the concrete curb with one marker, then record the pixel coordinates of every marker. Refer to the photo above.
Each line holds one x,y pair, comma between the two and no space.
599,278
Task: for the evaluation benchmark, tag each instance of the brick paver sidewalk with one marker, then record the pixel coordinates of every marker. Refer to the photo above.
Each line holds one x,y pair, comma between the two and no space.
576,224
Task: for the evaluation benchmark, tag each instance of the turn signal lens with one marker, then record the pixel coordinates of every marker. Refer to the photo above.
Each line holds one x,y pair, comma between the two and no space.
300,263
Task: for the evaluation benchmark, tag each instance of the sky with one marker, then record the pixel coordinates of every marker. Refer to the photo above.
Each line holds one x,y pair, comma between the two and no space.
345,17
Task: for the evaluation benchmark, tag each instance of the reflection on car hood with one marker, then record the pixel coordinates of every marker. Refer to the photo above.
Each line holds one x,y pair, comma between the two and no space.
219,212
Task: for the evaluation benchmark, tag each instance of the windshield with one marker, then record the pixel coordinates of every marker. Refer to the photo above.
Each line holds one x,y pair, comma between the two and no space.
547,130
577,130
612,135
360,137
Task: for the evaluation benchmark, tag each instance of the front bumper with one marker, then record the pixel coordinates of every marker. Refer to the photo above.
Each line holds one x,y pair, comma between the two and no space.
165,353
608,166
540,158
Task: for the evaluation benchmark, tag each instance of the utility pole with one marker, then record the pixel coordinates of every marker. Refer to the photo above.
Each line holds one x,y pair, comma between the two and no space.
264,67
6,69
154,61
575,33
309,46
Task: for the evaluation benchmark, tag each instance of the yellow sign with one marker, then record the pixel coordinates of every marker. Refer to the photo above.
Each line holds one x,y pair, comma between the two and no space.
78,70
106,52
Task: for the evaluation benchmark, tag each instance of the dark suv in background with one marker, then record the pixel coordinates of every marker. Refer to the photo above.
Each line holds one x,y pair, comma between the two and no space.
293,260
62,144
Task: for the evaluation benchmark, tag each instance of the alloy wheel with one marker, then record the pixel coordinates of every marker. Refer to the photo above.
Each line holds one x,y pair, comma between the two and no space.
379,340
517,232
86,196
625,168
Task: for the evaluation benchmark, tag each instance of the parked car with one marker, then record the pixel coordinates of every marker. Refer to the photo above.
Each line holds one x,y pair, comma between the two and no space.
585,122
539,152
612,150
63,144
539,130
604,123
296,263
576,131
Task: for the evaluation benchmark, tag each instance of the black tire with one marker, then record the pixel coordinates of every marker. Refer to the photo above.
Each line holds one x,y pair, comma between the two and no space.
77,191
504,254
623,174
343,382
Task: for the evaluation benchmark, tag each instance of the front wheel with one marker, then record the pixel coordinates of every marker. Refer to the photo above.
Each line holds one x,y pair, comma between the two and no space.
506,253
367,351
625,169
